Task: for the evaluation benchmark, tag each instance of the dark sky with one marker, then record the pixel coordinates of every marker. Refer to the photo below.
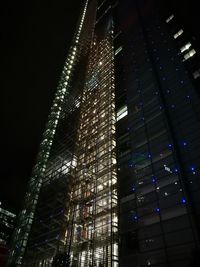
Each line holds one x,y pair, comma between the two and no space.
35,37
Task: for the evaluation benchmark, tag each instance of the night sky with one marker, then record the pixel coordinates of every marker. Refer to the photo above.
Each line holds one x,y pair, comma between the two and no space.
35,37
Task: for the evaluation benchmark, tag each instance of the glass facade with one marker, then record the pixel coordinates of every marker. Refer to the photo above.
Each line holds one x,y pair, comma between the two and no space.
7,220
120,166
157,161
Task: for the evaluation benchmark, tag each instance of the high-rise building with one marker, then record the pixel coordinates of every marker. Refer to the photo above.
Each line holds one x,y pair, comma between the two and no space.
7,222
116,181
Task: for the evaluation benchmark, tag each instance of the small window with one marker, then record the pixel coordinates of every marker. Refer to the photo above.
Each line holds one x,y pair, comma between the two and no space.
196,74
170,18
190,54
118,50
122,112
176,35
185,47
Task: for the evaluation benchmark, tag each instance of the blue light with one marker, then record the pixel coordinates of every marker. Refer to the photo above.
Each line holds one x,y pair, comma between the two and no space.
157,209
133,189
153,179
184,143
149,155
135,217
183,200
175,170
173,106
169,145
192,168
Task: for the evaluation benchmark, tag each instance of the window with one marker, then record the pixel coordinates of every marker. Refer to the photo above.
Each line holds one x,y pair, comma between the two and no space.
196,74
170,18
118,50
176,35
122,112
185,47
190,54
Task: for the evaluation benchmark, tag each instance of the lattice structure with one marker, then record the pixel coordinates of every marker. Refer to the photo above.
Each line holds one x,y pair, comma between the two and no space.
92,235
64,93
71,205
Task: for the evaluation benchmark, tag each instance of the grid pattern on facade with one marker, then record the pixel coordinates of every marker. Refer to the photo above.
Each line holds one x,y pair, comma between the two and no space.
93,232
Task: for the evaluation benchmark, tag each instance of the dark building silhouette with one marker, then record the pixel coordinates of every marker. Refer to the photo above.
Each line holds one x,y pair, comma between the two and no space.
116,181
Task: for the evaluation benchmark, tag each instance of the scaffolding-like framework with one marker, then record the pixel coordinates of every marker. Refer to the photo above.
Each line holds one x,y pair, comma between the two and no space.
71,204
93,224
80,42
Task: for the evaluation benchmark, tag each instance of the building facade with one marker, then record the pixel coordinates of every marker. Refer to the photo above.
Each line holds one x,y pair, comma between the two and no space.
116,182
7,223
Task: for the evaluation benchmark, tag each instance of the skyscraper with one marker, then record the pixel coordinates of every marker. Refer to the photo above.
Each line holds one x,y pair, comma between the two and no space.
7,221
116,182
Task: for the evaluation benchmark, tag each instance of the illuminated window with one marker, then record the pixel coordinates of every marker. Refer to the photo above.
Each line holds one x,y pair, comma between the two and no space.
190,54
118,50
196,74
185,47
122,112
176,35
170,18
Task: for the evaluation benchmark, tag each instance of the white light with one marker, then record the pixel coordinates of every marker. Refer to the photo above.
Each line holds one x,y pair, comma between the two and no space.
196,74
100,187
122,112
185,47
190,54
167,169
170,18
118,50
176,35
